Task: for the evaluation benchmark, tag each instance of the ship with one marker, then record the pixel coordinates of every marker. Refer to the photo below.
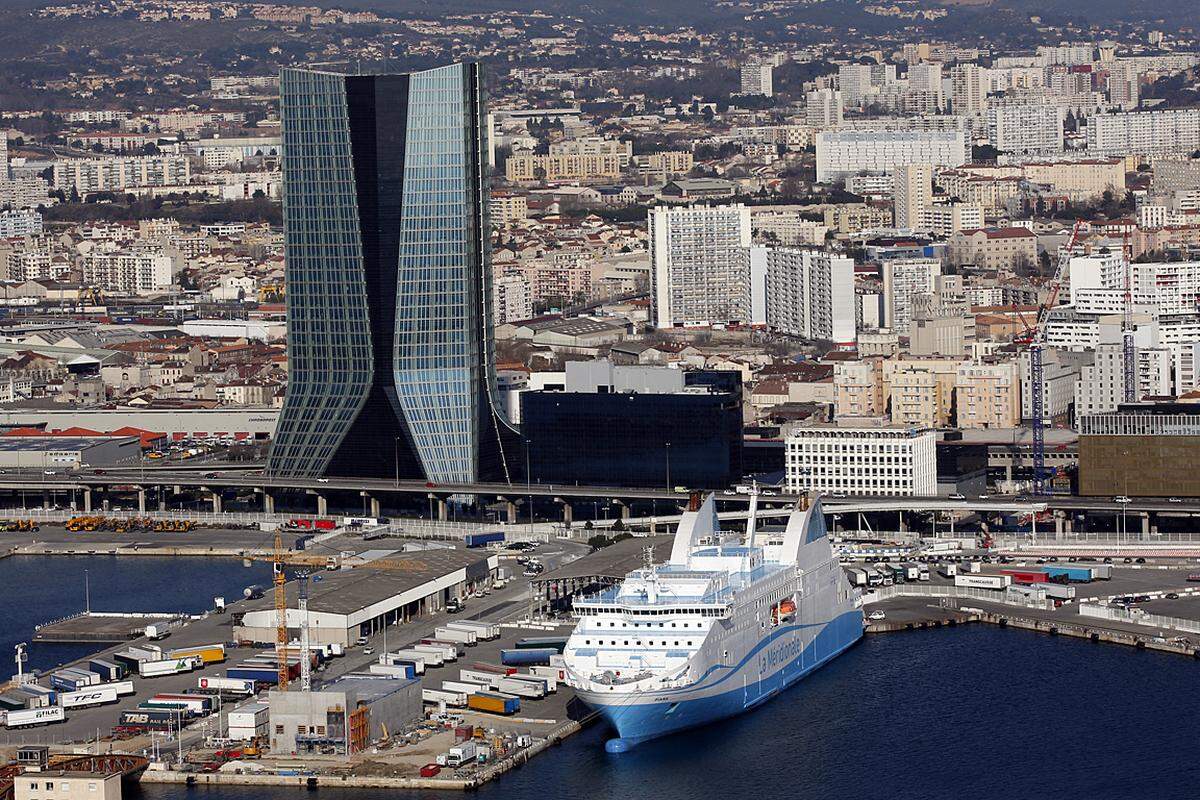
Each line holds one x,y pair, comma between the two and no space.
728,622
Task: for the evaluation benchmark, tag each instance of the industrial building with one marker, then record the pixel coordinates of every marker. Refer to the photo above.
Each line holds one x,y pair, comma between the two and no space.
345,714
348,603
68,452
67,785
254,424
636,426
1142,449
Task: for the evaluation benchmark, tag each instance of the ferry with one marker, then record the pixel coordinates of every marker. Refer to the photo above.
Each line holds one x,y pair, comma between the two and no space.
727,623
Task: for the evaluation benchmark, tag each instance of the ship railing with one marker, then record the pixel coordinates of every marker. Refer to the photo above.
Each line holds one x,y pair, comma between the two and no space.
639,607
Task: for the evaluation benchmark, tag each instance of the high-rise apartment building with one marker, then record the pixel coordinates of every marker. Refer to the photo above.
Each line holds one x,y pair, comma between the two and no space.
927,79
1124,85
390,351
756,78
1025,128
912,193
1167,132
700,274
806,293
849,152
823,109
904,279
969,87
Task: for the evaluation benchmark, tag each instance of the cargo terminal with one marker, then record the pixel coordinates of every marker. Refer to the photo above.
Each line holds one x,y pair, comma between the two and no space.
344,715
348,603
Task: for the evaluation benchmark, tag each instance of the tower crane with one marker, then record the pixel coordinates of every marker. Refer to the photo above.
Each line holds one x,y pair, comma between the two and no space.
1035,338
279,578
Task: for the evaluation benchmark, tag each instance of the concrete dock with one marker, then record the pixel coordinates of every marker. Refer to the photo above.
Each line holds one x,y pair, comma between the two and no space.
98,627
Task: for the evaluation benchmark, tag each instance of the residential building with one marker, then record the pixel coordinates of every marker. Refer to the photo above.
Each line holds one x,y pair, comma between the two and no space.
969,89
1124,85
848,152
120,173
506,208
927,79
858,389
391,367
1060,372
988,396
823,109
805,293
892,460
1009,249
132,272
700,275
1146,133
904,279
1101,385
946,219
912,193
24,222
512,300
1023,128
756,78
524,167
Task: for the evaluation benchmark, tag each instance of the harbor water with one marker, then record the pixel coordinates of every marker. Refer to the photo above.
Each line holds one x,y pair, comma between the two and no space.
35,590
974,711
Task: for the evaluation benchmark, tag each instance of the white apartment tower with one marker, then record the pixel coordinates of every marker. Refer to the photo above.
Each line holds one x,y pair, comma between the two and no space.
700,273
806,293
969,85
823,109
757,78
904,279
927,78
912,193
1025,128
850,152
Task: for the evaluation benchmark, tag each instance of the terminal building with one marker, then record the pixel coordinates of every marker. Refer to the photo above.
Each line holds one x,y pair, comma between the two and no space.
345,714
348,603
636,426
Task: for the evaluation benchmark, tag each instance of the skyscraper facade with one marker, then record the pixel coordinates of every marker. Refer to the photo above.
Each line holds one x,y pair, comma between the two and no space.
391,365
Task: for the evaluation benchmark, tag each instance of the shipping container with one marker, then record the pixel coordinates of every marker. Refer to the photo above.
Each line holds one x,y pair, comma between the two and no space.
857,577
160,719
433,657
557,673
254,672
67,682
494,703
1058,591
451,699
912,572
197,704
108,670
1073,574
173,666
466,637
230,685
91,696
40,696
207,653
394,670
522,658
157,631
522,687
466,687
484,631
1024,576
559,643
92,678
481,539
495,669
147,652
34,716
983,581
324,524
549,682
480,676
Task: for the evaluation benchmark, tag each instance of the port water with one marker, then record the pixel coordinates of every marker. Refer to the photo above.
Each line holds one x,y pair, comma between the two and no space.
52,587
928,714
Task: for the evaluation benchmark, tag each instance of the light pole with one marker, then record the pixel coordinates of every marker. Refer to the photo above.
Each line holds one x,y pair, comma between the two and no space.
668,466
397,459
87,592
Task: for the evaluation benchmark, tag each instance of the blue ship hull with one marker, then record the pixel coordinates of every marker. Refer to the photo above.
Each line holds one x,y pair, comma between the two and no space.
639,722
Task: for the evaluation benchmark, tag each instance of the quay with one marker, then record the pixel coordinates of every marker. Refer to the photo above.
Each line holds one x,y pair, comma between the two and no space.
98,626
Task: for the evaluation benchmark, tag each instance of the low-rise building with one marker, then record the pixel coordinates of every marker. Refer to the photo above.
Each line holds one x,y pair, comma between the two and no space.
893,460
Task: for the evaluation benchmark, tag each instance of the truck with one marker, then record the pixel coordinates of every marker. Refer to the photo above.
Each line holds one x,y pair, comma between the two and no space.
171,666
196,704
974,567
208,653
451,699
449,650
1025,576
463,753
482,539
394,670
34,716
156,631
1058,591
494,703
484,631
912,572
226,685
487,678
550,681
430,657
947,570
1072,574
924,570
466,687
983,581
857,577
523,658
107,670
70,680
161,719
91,696
465,637
522,687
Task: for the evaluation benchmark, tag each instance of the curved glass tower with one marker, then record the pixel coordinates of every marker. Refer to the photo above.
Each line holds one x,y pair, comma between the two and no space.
390,360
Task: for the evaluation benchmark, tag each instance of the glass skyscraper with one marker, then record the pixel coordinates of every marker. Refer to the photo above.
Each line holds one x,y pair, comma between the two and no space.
390,350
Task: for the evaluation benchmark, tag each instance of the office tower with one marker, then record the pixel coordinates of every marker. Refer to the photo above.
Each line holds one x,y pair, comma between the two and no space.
390,356
699,273
823,109
757,78
912,193
969,84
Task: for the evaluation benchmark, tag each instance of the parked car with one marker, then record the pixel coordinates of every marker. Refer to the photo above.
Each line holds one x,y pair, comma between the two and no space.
876,615
1121,499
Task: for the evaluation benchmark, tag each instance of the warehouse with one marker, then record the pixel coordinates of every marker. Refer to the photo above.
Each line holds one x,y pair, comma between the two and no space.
68,452
344,715
348,603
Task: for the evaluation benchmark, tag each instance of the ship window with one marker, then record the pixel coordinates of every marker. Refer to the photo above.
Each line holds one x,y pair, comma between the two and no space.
626,642
587,641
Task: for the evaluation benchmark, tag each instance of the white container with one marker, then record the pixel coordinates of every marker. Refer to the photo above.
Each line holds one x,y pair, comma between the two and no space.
451,699
235,685
983,581
468,638
466,687
522,687
484,631
442,651
433,658
250,715
34,716
91,696
174,666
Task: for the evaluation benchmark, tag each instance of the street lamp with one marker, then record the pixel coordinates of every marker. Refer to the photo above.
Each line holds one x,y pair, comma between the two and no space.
668,466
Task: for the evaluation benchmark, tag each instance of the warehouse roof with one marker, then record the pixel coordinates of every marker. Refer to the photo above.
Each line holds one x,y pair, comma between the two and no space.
43,443
615,561
346,591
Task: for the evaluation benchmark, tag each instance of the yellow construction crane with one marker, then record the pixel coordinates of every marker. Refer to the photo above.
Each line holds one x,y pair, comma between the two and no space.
281,634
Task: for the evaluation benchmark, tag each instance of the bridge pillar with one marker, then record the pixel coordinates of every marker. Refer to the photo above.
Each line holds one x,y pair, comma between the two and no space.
322,505
1145,524
46,498
216,501
268,502
87,501
624,510
568,513
162,498
141,499
443,511
510,511
1060,525
902,527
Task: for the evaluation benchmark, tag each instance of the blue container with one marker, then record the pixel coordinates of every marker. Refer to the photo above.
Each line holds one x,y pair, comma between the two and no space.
107,670
528,657
480,539
1073,574
253,673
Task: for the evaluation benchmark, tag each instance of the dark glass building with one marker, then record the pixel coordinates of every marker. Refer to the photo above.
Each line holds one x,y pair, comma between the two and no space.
647,440
390,351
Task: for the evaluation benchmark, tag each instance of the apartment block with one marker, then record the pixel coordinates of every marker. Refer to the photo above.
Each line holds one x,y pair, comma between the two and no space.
858,389
1009,249
1147,133
700,273
116,174
988,396
806,293
524,167
886,460
848,152
904,279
